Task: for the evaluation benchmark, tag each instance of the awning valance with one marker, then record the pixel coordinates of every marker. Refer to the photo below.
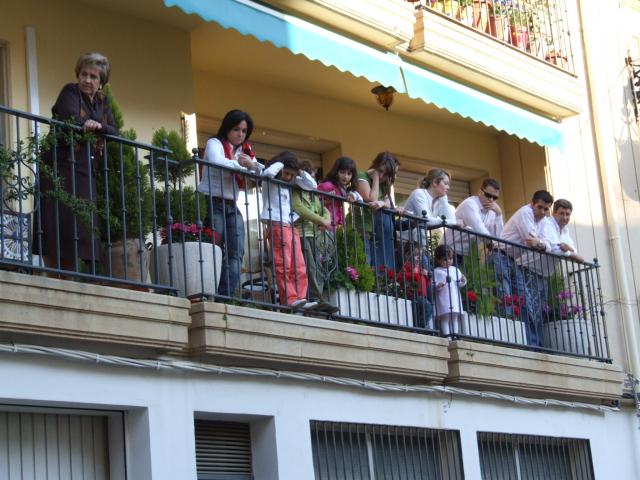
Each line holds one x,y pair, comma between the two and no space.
347,55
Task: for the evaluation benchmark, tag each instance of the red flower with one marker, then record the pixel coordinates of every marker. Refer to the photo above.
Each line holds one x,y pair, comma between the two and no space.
391,275
471,295
516,311
382,268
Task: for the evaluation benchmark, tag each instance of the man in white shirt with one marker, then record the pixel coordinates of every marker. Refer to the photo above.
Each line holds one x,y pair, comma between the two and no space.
480,214
522,287
556,233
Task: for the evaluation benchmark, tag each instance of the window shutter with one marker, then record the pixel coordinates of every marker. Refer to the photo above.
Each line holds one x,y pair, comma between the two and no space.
223,450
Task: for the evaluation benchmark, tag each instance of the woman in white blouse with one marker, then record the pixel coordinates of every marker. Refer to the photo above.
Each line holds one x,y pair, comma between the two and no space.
430,201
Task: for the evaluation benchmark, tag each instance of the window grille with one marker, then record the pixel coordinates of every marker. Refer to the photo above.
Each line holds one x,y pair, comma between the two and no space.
223,450
378,452
528,457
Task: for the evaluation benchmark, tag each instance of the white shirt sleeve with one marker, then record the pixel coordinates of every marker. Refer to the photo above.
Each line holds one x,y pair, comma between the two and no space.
306,181
471,215
273,170
214,153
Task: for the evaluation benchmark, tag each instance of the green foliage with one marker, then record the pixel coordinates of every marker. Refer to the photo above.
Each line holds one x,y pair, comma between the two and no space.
555,285
480,283
353,270
178,169
128,185
189,213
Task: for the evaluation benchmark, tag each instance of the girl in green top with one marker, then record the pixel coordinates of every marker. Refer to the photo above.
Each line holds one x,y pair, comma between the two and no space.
374,186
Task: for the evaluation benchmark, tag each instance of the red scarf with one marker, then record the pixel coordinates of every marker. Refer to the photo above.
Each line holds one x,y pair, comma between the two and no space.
228,153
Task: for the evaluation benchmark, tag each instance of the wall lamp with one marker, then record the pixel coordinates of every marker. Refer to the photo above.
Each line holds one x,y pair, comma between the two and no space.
384,95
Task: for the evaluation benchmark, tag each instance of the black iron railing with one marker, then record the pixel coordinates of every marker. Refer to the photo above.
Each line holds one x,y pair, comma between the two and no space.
537,27
232,235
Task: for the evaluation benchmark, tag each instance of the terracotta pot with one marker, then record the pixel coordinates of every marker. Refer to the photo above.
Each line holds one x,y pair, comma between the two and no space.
520,37
480,15
497,26
134,267
558,59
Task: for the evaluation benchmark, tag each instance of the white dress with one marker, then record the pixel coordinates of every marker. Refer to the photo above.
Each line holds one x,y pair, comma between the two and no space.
448,298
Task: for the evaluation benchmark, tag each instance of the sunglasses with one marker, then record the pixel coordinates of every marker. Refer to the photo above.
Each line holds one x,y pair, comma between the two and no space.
490,196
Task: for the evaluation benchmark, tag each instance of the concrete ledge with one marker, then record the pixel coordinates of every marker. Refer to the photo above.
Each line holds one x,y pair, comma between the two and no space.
34,305
241,335
491,367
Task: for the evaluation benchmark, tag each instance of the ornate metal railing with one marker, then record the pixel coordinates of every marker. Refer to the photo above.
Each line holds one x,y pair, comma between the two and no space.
230,235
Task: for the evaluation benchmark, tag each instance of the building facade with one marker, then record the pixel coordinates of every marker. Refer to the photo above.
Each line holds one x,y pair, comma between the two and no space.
105,382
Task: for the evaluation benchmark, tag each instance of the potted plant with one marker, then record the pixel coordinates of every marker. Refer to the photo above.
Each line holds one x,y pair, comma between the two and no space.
566,325
498,19
488,316
126,203
188,257
192,264
519,21
352,279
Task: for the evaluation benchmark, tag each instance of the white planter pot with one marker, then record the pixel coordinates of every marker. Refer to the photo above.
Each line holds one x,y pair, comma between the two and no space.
494,328
571,336
190,275
373,307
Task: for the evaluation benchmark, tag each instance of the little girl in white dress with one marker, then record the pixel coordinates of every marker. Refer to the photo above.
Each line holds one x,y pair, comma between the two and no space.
448,280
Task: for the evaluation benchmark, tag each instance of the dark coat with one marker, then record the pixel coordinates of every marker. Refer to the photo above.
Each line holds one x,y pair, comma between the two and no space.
77,164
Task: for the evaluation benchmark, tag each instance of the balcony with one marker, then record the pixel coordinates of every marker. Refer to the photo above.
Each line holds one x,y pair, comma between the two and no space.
369,308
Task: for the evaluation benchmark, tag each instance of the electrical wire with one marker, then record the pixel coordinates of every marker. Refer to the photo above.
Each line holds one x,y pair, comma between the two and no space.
187,366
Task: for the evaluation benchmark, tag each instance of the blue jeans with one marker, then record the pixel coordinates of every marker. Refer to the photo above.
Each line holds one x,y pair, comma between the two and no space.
505,273
423,312
380,245
534,287
229,224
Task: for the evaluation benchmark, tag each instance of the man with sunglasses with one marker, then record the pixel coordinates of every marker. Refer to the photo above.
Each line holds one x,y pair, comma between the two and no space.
479,214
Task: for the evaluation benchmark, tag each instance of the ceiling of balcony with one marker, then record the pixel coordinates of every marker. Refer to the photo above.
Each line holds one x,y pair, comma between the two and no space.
215,49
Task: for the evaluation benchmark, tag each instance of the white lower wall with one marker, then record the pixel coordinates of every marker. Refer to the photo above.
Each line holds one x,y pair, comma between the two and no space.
162,405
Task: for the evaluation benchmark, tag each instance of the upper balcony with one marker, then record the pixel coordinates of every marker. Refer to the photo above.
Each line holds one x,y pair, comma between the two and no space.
508,317
524,51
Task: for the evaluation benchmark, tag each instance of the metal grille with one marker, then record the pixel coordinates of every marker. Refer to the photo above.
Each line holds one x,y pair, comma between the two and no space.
523,457
376,452
223,450
51,446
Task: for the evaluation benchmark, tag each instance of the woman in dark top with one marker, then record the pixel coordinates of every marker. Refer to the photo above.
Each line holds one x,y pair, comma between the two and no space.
76,164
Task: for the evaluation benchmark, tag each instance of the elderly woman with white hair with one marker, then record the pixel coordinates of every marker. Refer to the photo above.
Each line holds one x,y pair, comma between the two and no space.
76,163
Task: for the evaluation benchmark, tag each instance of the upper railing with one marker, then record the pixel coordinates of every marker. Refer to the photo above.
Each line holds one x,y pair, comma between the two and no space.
537,27
246,237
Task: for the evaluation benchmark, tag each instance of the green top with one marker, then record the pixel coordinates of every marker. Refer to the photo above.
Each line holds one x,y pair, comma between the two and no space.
312,212
363,175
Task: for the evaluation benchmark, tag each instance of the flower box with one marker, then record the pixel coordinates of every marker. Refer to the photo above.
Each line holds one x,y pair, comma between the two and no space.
499,329
574,335
373,307
194,274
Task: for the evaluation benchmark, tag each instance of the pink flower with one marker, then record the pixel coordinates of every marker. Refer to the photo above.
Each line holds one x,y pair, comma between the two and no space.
353,273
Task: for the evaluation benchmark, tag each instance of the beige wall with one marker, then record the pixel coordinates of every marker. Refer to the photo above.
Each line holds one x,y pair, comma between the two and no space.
151,63
361,132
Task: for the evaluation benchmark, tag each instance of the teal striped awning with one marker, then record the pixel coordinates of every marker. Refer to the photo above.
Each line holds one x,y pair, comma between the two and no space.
388,69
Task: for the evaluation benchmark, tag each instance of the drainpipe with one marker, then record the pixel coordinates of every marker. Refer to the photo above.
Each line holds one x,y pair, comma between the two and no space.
625,297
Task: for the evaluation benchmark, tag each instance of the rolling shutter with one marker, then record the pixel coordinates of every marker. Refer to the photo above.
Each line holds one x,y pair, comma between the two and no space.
223,450
53,447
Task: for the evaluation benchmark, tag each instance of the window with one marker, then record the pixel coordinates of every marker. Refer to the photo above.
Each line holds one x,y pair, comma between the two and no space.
377,452
223,450
50,443
528,457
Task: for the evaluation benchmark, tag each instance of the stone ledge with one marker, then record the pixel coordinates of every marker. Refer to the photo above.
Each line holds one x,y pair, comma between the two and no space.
491,367
241,335
34,305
